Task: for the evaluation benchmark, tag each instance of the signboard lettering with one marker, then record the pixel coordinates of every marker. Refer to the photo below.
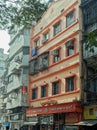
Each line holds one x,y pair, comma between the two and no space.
69,107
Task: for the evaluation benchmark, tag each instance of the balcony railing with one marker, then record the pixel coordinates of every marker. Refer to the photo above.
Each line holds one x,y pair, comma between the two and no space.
89,12
39,64
91,20
16,70
91,90
84,2
92,27
88,54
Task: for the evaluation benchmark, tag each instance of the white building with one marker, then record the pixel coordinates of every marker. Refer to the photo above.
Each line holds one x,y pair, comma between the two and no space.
3,58
16,99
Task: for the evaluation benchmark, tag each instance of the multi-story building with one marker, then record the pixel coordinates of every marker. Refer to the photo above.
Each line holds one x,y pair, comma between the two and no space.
55,91
18,62
89,9
3,58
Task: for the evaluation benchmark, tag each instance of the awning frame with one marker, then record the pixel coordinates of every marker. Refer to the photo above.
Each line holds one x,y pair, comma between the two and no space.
84,123
30,123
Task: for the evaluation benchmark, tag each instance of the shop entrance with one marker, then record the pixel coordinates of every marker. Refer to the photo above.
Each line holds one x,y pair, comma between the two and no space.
34,127
44,127
52,122
47,127
59,121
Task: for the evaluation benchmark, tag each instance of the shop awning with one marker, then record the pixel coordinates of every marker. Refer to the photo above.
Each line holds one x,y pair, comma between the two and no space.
30,123
84,123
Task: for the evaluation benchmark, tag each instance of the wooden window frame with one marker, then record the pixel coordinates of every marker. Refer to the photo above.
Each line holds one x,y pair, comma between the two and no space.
59,87
46,85
74,86
67,25
67,48
57,23
36,93
53,59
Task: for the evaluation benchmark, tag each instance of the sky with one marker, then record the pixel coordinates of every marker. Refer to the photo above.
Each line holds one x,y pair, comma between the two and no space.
4,40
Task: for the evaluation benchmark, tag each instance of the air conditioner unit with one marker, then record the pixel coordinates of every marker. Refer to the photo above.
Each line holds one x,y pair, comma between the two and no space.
9,111
14,95
3,105
17,66
16,117
8,99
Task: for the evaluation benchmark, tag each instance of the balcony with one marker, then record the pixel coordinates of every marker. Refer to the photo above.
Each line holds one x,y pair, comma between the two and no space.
90,12
3,105
88,54
85,2
91,89
33,66
3,91
92,27
92,62
39,64
90,57
91,20
16,70
43,61
43,67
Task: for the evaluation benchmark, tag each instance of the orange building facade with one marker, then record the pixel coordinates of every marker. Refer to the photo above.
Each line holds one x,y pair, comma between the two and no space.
54,68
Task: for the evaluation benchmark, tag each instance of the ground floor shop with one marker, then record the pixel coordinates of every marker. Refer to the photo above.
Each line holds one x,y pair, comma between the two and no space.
89,121
87,125
16,120
16,117
56,117
89,117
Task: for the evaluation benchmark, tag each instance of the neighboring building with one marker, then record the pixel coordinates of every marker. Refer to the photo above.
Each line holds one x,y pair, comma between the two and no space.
89,9
3,58
17,75
55,90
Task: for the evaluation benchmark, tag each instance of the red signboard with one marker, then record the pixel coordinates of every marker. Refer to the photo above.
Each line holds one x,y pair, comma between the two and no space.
58,108
72,117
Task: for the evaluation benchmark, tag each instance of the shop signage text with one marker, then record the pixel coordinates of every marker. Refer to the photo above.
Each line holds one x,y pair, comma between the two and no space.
69,107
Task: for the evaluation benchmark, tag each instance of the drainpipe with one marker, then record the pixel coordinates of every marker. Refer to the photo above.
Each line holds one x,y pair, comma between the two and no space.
80,53
81,70
81,83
